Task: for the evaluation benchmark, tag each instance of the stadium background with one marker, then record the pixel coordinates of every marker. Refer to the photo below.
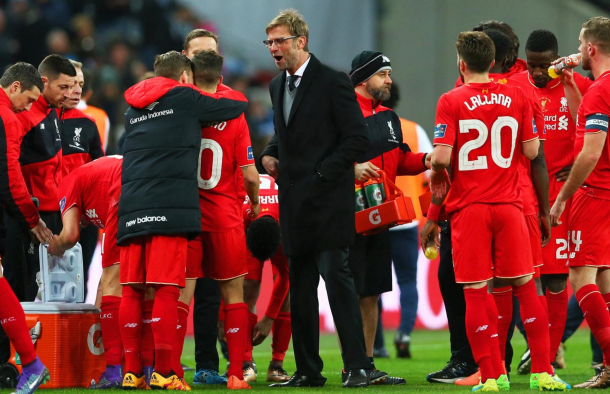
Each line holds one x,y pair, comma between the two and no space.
118,39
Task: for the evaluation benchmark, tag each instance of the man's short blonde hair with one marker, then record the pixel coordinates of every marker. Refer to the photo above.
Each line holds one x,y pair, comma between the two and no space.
295,23
597,31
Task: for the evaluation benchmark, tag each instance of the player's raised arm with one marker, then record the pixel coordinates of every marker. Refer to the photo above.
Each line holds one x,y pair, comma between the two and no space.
222,106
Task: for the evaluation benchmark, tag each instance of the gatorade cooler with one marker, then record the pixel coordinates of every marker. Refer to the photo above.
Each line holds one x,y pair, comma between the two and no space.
68,340
396,210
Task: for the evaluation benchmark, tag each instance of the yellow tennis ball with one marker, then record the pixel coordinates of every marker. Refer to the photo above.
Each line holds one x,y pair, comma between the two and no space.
431,253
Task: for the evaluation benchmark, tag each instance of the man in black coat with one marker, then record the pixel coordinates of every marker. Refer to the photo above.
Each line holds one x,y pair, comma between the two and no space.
320,133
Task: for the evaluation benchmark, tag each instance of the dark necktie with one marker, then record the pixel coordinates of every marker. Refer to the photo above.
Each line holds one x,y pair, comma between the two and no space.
292,80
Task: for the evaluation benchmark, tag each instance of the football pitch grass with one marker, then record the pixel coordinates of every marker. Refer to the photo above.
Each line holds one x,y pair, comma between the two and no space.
430,351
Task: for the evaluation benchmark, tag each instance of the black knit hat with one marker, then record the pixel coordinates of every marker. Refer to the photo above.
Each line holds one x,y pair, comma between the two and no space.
366,64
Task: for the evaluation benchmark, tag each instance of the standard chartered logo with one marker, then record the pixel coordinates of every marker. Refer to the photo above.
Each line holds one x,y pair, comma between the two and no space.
563,123
146,219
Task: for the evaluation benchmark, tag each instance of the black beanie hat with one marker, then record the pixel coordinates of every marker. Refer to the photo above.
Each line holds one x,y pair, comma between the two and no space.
366,64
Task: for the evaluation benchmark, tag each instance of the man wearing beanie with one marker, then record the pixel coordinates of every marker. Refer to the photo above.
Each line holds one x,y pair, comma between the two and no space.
319,135
370,259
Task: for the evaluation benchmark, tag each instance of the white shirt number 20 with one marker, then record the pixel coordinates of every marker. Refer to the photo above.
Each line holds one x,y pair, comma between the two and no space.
480,163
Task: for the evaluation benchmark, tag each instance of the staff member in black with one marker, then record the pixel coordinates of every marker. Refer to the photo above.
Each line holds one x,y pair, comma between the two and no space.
319,135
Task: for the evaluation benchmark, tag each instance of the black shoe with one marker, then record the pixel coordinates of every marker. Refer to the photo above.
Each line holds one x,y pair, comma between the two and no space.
402,342
525,364
356,378
301,381
391,381
453,371
376,376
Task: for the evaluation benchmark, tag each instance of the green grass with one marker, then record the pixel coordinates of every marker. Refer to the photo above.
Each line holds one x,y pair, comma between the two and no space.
430,350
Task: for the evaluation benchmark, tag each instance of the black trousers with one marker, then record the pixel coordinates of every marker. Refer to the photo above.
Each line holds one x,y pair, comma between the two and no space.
455,305
305,272
205,323
21,263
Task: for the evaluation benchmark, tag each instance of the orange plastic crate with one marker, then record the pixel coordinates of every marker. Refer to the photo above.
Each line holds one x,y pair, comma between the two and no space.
397,210
69,344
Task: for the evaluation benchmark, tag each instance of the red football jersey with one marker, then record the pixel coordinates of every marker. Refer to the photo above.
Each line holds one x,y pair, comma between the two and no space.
225,147
560,128
593,116
530,200
485,124
89,188
268,199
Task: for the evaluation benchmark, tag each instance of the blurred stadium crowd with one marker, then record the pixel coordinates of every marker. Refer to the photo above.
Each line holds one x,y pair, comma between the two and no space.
117,41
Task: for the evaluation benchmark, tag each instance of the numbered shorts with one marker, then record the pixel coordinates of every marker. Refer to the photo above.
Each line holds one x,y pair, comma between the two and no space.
279,262
194,258
490,240
535,237
224,254
555,253
589,231
154,259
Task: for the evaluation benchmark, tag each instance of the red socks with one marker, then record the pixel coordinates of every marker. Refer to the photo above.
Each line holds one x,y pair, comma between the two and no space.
543,303
536,325
492,314
164,322
503,296
147,341
130,321
111,334
12,318
557,304
281,331
236,332
478,331
252,320
594,308
183,314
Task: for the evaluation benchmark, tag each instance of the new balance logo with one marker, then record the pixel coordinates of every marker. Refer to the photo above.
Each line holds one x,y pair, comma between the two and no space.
494,336
150,107
563,123
232,330
482,328
91,213
153,320
131,325
530,320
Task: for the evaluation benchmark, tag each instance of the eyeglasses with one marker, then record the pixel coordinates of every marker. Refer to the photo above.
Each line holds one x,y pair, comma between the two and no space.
277,41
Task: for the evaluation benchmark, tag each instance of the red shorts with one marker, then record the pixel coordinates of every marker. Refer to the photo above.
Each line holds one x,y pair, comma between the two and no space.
194,258
255,266
111,253
486,239
533,228
589,232
555,253
154,259
225,254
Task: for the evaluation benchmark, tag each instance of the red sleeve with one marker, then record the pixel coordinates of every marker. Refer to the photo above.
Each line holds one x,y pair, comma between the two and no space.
595,110
13,191
583,83
243,146
444,129
410,163
527,123
281,284
68,193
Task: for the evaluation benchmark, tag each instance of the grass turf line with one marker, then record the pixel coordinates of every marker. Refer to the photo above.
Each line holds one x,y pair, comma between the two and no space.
430,350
